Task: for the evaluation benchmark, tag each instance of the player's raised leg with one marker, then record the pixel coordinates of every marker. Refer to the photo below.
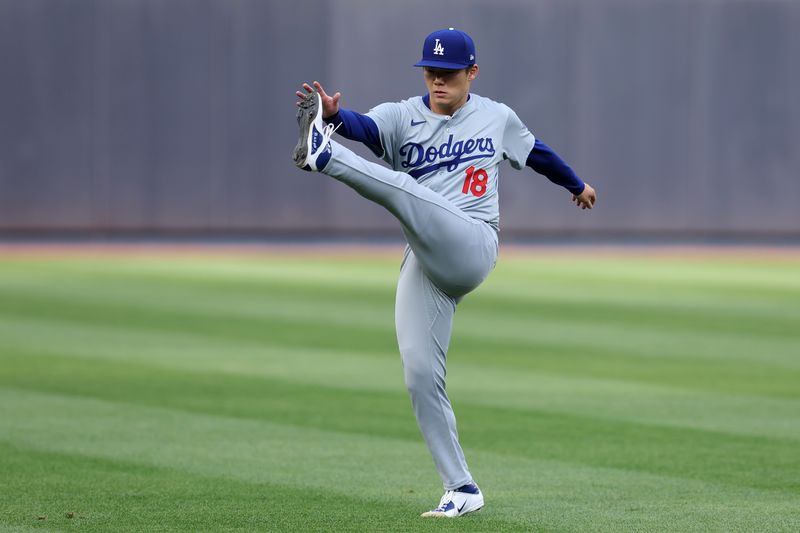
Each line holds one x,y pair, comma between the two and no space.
424,320
456,250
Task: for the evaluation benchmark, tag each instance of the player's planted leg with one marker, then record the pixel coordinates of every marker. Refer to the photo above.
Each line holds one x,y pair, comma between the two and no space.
424,320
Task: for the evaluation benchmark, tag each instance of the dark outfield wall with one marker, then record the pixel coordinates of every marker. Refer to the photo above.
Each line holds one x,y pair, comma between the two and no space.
178,114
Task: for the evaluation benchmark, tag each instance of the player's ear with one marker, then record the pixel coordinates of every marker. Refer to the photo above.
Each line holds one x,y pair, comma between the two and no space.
472,72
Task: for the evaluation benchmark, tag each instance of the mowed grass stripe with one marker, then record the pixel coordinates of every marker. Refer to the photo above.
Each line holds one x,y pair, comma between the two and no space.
538,280
374,309
708,273
489,385
773,278
541,494
525,433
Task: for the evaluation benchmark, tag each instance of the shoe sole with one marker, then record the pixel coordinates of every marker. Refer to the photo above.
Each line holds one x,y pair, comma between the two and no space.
305,118
442,515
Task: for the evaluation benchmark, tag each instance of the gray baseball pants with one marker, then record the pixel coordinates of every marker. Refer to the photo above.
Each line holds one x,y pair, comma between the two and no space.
449,254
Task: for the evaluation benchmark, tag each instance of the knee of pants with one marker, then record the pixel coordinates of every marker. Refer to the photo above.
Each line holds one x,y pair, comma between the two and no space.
457,280
421,375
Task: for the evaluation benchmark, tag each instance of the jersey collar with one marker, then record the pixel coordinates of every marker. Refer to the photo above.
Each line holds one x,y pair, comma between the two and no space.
427,101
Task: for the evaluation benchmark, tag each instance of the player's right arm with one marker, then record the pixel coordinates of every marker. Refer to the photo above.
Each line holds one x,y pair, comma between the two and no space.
350,124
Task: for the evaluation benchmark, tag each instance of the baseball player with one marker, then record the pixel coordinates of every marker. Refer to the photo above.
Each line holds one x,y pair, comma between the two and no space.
444,150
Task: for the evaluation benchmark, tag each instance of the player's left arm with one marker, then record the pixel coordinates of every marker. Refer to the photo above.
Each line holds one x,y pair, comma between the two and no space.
546,162
517,141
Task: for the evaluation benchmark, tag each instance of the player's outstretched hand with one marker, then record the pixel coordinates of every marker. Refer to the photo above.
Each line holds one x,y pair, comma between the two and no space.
586,199
330,104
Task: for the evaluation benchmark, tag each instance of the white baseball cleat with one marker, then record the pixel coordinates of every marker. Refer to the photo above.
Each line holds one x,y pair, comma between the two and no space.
458,502
313,150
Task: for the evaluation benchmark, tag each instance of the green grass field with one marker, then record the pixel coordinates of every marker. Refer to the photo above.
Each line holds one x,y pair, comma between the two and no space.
265,392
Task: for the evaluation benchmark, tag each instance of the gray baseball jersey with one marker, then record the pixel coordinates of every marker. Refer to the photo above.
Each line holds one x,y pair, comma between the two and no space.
456,156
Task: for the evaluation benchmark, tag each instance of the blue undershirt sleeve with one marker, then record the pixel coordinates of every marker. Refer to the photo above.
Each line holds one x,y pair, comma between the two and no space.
357,127
546,162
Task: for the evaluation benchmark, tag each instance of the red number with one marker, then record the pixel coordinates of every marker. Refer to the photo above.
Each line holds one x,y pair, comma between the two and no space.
475,182
479,180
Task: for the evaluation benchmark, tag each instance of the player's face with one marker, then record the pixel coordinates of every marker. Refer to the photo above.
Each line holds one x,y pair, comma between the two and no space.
448,89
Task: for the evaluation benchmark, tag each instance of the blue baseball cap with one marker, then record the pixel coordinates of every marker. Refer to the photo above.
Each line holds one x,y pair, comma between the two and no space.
451,49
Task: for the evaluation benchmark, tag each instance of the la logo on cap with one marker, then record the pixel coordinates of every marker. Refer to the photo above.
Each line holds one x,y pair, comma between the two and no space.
447,49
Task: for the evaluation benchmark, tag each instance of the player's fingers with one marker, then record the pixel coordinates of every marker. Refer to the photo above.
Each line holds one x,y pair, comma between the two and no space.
336,97
319,88
308,88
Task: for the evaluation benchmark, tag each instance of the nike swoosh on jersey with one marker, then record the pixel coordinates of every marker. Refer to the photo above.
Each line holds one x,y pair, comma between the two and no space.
417,123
